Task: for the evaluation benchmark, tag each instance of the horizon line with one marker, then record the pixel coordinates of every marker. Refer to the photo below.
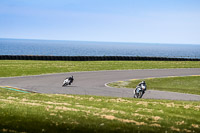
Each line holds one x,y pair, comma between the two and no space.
102,41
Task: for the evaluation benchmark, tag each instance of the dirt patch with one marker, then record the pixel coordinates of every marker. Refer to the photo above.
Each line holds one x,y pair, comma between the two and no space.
5,100
66,109
111,117
101,110
156,118
27,103
161,111
24,100
49,107
9,131
175,129
195,126
136,114
180,123
52,114
197,107
144,109
119,100
12,98
66,104
91,98
170,105
142,103
74,123
187,106
155,125
186,130
69,96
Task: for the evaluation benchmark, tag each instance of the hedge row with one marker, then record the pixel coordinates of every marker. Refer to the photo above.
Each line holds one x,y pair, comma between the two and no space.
92,58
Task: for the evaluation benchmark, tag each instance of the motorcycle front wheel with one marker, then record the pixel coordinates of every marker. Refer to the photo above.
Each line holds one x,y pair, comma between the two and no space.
65,84
140,94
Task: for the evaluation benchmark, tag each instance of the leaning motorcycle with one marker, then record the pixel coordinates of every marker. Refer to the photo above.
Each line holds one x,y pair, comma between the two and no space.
65,82
68,81
139,92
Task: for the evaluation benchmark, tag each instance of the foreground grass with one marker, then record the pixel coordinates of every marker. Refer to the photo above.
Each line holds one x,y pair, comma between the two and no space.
187,84
10,68
32,112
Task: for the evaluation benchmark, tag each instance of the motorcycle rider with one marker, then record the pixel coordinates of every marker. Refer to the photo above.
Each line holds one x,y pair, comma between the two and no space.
140,86
71,79
68,80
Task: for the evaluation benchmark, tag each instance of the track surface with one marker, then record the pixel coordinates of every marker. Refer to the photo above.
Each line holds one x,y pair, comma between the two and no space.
93,83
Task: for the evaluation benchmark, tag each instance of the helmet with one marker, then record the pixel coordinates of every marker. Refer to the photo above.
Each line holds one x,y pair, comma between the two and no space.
143,82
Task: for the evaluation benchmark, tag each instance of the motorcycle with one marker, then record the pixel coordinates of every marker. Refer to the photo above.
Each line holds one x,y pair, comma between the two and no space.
68,81
139,91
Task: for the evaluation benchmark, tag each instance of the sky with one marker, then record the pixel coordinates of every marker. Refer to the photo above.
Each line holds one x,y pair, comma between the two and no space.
148,21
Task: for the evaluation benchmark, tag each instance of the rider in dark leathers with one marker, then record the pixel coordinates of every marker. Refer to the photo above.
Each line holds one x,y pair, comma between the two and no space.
71,79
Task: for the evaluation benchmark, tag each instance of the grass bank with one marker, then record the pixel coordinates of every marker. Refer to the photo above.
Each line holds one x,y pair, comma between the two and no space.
32,112
10,68
186,84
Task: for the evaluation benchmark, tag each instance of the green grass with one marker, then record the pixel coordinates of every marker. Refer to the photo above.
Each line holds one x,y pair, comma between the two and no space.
10,68
187,84
32,112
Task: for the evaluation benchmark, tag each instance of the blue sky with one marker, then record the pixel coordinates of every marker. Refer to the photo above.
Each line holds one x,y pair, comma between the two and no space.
151,21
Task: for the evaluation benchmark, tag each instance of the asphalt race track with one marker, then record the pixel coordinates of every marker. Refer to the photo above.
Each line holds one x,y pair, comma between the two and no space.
94,83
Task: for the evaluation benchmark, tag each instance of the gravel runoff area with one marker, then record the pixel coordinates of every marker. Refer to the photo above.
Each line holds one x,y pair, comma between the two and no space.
94,83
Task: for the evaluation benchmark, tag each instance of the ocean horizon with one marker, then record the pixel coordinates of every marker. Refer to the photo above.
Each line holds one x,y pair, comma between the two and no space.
93,48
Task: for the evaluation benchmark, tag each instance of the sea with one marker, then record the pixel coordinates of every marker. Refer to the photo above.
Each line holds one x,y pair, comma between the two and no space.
92,48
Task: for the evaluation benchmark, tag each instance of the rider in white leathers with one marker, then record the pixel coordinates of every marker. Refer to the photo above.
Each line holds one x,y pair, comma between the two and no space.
141,86
68,81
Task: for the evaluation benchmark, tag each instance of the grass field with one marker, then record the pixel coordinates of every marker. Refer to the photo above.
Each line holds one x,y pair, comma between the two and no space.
187,84
10,68
32,112
35,113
